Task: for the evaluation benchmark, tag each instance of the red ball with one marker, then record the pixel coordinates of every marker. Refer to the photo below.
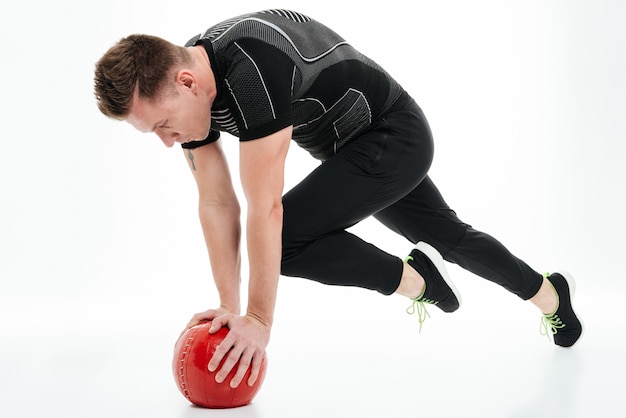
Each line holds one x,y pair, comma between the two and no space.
192,353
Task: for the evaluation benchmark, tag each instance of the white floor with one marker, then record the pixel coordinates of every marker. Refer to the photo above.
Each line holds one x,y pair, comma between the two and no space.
364,358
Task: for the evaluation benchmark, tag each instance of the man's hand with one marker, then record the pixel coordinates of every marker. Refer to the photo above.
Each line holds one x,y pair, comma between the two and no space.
246,342
206,316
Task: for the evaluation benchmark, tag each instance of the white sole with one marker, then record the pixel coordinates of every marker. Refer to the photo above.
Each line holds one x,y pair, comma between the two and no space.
436,258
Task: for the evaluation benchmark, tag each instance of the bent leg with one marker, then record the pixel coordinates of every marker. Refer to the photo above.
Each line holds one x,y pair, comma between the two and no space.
366,176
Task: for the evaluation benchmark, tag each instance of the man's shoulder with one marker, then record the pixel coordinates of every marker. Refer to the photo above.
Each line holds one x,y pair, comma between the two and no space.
249,24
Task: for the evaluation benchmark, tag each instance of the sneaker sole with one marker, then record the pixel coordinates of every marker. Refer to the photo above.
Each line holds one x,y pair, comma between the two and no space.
436,258
571,283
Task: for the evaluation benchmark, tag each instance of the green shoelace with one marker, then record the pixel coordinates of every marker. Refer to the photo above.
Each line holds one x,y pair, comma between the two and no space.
418,306
551,323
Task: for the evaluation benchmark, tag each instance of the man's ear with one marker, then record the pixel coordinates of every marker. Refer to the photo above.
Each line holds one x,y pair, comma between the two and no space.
186,79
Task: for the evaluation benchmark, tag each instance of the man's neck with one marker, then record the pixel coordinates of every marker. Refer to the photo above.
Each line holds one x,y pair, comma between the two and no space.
205,72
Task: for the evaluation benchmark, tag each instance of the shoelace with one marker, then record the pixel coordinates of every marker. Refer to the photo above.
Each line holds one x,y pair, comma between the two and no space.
418,305
550,324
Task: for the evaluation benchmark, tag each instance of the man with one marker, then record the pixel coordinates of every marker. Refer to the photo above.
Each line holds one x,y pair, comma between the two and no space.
277,75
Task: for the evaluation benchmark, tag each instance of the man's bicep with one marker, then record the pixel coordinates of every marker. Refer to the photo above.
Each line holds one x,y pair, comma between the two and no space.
262,165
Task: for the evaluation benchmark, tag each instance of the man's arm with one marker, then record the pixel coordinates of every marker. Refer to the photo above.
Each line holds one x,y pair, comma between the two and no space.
262,171
262,166
219,213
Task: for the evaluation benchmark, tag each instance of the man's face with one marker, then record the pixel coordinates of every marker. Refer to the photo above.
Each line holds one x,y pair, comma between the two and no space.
177,117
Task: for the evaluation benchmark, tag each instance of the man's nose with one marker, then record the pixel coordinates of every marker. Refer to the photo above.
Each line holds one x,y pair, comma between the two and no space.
169,139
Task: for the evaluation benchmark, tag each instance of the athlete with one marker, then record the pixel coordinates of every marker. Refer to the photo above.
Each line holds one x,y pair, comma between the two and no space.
274,76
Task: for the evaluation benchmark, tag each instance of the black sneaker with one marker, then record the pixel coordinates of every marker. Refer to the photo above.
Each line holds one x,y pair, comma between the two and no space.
439,289
563,325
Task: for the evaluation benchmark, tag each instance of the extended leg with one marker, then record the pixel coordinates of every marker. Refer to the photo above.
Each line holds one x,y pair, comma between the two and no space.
423,215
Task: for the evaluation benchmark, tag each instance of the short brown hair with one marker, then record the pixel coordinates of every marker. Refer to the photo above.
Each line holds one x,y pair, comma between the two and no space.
143,60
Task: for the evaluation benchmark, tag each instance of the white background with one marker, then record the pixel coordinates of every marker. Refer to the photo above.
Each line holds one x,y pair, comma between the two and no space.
102,260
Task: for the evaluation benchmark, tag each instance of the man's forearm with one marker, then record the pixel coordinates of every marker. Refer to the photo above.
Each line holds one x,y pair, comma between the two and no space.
262,172
264,237
222,235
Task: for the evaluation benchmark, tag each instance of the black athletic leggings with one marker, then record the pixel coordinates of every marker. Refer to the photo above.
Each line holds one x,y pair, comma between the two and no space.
383,173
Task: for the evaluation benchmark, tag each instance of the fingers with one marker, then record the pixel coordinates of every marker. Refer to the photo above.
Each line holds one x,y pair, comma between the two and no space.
257,362
230,362
248,359
244,363
206,316
220,352
218,323
229,351
201,317
236,350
